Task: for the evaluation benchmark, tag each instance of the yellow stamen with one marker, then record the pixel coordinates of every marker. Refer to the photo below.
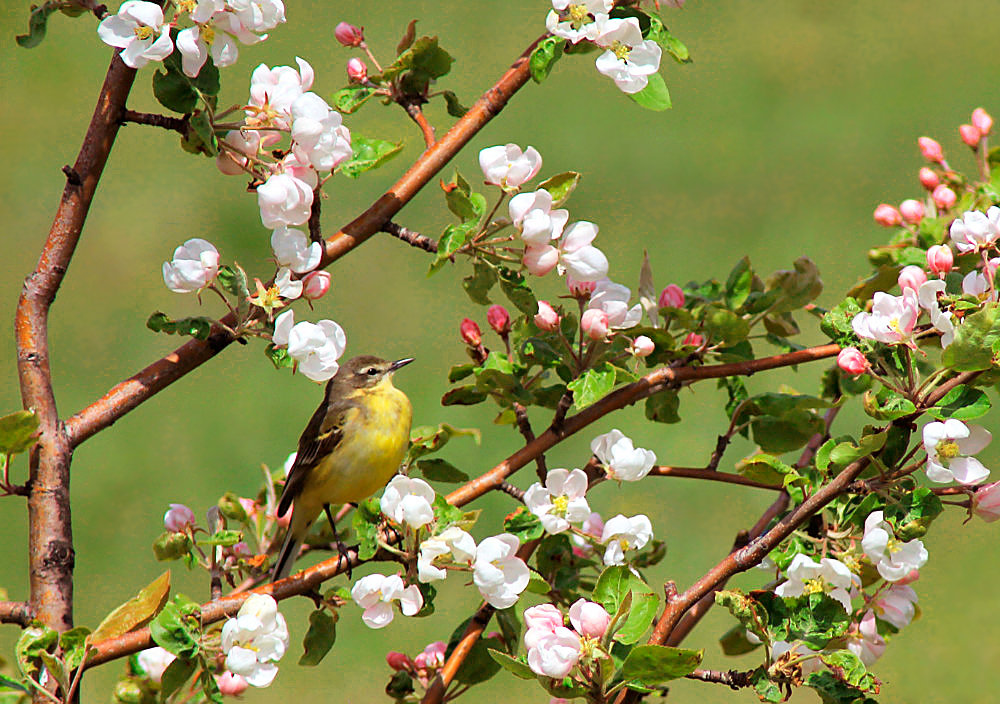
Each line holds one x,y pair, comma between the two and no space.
143,32
559,505
947,449
621,50
814,586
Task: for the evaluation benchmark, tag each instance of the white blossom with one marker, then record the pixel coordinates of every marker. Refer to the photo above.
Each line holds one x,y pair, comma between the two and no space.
194,266
806,576
408,501
139,31
897,605
259,15
216,35
949,446
621,534
375,594
534,218
927,297
292,249
578,259
613,299
452,541
498,573
272,92
865,641
507,166
154,661
315,346
577,21
555,654
561,501
284,200
623,461
629,60
255,640
319,137
891,320
975,231
892,558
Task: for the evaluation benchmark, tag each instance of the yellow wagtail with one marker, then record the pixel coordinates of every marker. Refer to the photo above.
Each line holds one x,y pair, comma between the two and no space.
350,449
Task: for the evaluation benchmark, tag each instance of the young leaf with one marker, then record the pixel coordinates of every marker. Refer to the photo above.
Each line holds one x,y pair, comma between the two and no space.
17,432
453,104
592,386
319,638
37,24
514,665
180,93
961,403
365,522
653,664
176,674
663,407
654,96
368,154
523,524
478,285
976,341
515,287
174,631
135,612
349,99
561,186
438,470
544,57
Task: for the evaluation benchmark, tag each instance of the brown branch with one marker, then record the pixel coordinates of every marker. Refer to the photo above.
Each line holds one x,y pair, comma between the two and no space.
410,237
708,474
18,612
50,540
177,124
129,394
733,678
524,425
417,115
315,229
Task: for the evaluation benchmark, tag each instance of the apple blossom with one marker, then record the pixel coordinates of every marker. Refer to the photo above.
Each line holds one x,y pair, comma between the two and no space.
470,333
931,150
408,501
272,92
578,258
893,558
580,289
230,684
138,29
976,231
693,339
348,34
178,519
451,541
928,178
498,573
245,142
274,296
896,605
629,59
642,346
255,640
546,318
613,299
806,659
982,121
540,260
864,640
887,216
532,215
891,320
672,297
927,296
970,134
588,618
432,656
319,137
555,654
912,211
284,200
498,318
154,661
806,576
508,167
194,266
539,621
561,501
852,361
315,346
621,534
315,285
357,71
595,323
949,446
592,526
943,197
375,594
620,458
398,661
940,259
986,502
216,34
258,15
976,284
577,21
911,277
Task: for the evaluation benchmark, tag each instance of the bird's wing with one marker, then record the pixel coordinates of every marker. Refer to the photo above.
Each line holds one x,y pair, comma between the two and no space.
324,431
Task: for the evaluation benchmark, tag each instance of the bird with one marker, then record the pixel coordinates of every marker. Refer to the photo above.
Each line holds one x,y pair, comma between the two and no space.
351,447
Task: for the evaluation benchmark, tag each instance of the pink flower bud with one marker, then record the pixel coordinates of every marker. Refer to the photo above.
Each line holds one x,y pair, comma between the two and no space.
940,259
580,289
970,134
178,519
231,684
595,323
986,502
499,319
356,70
911,277
982,120
642,346
315,285
852,361
471,335
943,197
931,150
911,576
432,657
240,549
348,34
540,260
398,661
929,178
249,505
589,619
912,211
672,297
546,319
887,216
693,339
545,616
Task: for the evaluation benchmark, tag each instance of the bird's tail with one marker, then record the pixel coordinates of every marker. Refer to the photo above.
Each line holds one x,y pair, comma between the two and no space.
286,558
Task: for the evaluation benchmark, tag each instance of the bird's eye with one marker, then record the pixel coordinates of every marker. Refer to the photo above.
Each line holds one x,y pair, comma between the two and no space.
371,371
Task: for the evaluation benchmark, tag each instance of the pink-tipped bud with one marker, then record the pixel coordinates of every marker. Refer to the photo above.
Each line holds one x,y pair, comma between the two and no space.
940,259
642,346
909,578
499,319
595,323
580,289
986,502
432,657
672,297
356,70
912,277
887,216
588,618
852,361
982,120
398,661
693,339
944,198
178,519
929,178
231,684
546,318
249,505
315,285
912,211
348,34
970,134
470,332
931,150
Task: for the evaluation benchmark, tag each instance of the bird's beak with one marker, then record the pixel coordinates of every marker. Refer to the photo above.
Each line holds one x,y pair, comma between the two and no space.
399,363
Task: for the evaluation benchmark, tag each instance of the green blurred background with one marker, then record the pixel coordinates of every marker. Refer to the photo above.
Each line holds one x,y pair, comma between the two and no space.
793,122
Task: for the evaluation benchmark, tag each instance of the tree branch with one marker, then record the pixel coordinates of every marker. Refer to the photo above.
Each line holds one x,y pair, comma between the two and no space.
18,612
177,124
417,115
411,237
708,474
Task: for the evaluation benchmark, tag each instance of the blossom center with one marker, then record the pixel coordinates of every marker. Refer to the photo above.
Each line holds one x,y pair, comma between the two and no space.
813,586
620,50
578,15
559,505
208,34
143,32
947,449
188,6
893,545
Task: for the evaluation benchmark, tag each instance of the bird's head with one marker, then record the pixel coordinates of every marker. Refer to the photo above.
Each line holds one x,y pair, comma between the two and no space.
367,371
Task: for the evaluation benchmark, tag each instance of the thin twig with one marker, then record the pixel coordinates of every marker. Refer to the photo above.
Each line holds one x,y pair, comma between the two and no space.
411,237
708,474
417,115
732,678
524,425
177,124
18,612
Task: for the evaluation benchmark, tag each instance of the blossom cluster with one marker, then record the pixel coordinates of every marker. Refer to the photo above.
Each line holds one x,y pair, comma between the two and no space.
553,649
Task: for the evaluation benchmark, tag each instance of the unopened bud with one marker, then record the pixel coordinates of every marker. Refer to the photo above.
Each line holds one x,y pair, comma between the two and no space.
693,339
471,335
672,297
595,323
642,346
398,661
986,502
970,134
315,285
498,318
348,34
540,260
912,277
982,120
231,684
356,70
929,178
931,150
912,211
944,198
940,259
852,361
887,216
178,519
172,546
432,657
546,318
580,289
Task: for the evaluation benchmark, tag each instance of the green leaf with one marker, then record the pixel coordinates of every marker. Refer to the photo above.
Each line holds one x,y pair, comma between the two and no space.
279,356
426,439
10,683
749,612
515,287
319,638
454,106
368,154
913,513
176,674
654,96
516,666
618,584
537,584
767,691
349,99
468,205
523,524
479,283
544,57
365,522
200,136
667,41
37,24
451,240
222,538
592,385
815,619
438,470
74,645
764,468
425,60
198,328
18,432
738,283
467,395
846,452
407,39
886,405
652,664
172,546
726,327
561,186
976,342
33,641
663,407
135,612
962,403
884,279
787,432
234,280
445,514
180,93
209,687
797,287
836,323
175,628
